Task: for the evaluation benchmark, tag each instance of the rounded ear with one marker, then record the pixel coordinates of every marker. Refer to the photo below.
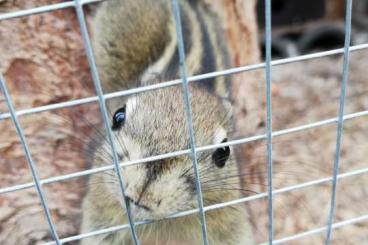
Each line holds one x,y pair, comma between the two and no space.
131,105
150,78
228,108
219,136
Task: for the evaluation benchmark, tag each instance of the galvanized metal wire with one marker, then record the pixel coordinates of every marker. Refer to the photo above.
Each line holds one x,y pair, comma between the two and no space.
44,9
340,123
188,110
183,152
235,202
105,117
29,159
193,150
268,59
196,78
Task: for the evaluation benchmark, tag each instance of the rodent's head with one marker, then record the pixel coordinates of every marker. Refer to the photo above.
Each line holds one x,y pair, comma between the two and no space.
154,123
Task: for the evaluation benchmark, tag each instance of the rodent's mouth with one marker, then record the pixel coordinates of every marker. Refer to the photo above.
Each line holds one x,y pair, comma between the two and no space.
141,212
145,213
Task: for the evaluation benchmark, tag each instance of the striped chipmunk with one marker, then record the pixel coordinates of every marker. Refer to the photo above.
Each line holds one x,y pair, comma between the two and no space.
135,44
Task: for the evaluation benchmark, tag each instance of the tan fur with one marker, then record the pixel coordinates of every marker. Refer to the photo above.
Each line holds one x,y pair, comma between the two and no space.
127,37
156,124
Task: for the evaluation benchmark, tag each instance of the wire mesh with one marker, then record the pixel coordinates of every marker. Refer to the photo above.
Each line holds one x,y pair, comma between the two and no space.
102,104
340,123
188,110
268,59
28,156
100,98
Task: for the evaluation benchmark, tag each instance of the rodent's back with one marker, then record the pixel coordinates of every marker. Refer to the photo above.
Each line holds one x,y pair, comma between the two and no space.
127,35
135,43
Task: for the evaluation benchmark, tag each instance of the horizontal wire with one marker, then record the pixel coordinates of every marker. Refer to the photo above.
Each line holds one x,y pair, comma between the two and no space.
187,151
125,209
64,5
92,171
42,9
320,229
216,206
178,81
29,159
189,117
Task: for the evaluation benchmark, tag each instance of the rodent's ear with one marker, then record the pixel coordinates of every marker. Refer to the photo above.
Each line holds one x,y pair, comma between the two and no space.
228,108
219,136
151,78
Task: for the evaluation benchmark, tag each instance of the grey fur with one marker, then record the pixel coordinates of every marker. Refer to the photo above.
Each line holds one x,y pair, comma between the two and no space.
155,124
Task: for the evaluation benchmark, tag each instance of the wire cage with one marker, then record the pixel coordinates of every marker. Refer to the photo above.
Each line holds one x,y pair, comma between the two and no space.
194,149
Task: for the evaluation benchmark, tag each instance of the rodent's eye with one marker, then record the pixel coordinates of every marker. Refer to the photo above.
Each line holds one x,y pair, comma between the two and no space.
118,119
221,155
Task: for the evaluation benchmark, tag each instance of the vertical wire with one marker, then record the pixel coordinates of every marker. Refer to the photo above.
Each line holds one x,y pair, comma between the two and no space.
102,104
183,70
340,123
29,159
268,34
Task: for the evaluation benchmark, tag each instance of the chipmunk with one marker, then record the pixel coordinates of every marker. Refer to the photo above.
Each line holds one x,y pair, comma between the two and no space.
134,40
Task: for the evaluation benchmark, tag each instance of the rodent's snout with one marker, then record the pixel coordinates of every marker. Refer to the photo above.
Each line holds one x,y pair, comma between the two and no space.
159,189
139,209
136,203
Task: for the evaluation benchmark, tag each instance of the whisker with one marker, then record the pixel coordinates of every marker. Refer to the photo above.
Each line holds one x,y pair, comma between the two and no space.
231,189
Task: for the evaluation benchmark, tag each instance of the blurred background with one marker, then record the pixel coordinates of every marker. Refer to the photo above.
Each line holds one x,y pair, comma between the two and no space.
302,27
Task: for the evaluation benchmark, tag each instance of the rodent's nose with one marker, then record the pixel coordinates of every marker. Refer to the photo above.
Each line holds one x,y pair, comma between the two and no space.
131,201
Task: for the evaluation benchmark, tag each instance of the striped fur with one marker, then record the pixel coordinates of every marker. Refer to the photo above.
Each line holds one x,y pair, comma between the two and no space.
135,43
143,46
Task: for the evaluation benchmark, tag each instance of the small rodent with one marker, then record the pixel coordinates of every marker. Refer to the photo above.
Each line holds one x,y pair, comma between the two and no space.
134,40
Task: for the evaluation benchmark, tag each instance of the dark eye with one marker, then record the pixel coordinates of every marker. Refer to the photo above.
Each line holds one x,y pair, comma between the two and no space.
221,155
118,119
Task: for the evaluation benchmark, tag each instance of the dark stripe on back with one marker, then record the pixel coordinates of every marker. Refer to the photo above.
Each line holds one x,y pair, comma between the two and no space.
224,51
208,59
172,70
208,62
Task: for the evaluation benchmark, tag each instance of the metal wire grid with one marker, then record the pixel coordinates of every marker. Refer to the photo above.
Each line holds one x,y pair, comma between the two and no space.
188,110
77,4
35,177
268,57
340,123
105,117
